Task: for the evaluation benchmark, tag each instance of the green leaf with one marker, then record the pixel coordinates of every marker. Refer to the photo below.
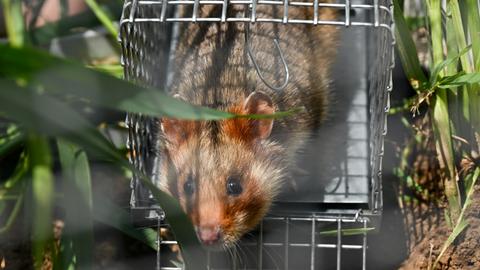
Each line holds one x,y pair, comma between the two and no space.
407,51
78,201
103,17
347,232
110,214
450,61
455,233
460,79
42,196
61,77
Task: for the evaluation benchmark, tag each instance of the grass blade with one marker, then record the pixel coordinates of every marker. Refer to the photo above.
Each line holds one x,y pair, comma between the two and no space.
460,80
347,232
455,233
474,31
103,17
42,197
471,110
407,51
459,34
78,201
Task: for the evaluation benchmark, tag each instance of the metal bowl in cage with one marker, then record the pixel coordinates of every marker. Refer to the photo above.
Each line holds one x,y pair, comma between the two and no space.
317,222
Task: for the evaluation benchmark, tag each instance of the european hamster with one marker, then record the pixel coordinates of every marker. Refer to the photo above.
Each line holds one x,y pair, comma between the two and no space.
226,173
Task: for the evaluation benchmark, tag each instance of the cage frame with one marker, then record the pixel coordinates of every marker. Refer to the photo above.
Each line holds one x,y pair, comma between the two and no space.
150,214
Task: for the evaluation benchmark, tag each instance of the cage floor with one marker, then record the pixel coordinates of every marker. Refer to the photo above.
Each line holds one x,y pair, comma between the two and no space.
291,242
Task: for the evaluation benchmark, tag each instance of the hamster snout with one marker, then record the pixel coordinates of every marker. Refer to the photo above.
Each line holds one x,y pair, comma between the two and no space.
209,235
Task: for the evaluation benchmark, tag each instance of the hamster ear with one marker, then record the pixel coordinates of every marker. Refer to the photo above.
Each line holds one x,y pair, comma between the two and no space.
175,130
260,103
172,129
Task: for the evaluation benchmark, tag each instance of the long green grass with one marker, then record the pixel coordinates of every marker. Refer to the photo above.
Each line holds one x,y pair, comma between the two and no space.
452,94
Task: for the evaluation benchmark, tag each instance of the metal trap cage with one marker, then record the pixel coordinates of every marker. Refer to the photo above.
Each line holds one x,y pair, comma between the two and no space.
303,230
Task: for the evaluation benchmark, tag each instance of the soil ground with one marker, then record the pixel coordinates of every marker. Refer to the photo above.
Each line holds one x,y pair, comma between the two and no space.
464,253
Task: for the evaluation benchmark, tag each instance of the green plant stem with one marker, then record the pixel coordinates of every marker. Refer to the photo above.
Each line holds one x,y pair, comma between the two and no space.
12,10
42,195
78,201
435,16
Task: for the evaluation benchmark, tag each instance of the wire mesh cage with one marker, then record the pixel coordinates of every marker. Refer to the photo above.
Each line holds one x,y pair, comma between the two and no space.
307,229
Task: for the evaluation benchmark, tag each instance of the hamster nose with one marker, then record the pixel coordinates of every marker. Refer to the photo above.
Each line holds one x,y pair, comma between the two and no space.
209,235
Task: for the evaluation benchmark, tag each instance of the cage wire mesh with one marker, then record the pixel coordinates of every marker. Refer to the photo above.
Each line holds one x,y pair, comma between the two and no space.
302,234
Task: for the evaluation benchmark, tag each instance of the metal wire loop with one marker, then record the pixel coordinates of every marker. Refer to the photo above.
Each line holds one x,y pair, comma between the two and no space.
250,54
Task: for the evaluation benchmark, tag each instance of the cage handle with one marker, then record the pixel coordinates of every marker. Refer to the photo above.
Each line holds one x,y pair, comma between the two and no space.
257,68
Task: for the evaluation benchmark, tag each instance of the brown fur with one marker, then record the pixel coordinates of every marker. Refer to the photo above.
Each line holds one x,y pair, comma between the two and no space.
212,69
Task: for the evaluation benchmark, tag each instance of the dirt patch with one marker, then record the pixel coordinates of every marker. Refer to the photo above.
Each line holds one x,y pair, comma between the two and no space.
464,253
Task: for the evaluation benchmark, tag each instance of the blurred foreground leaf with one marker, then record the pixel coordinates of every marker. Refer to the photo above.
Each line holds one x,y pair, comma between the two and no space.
62,77
77,201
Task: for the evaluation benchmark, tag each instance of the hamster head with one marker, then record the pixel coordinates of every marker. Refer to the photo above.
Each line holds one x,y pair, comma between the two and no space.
225,173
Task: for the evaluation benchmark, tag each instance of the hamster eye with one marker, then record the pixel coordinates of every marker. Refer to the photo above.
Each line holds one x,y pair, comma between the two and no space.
234,187
189,186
